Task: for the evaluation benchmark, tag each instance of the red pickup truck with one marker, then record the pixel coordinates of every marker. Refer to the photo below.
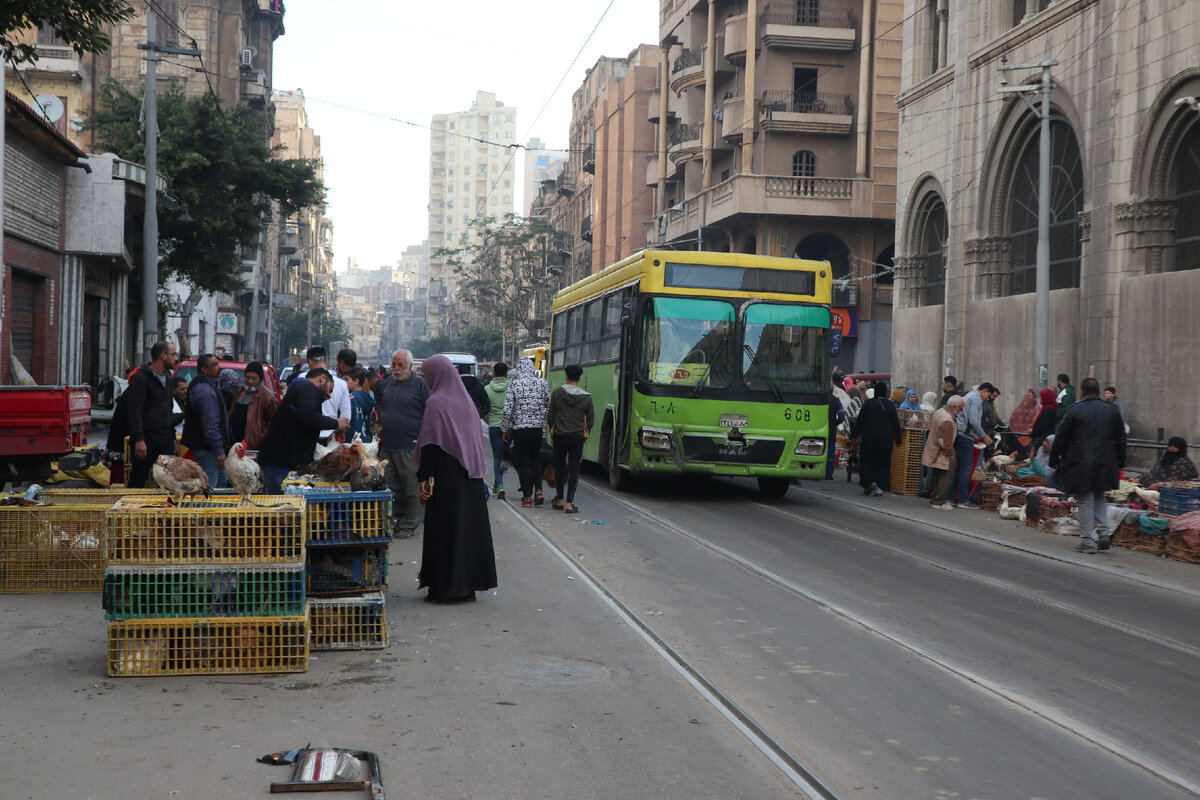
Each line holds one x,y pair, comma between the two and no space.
41,424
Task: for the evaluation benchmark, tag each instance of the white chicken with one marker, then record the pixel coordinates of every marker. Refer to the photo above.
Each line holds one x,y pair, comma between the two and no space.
180,477
1001,461
1148,496
370,449
244,474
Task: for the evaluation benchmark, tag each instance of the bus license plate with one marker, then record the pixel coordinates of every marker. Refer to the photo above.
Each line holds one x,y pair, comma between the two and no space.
734,421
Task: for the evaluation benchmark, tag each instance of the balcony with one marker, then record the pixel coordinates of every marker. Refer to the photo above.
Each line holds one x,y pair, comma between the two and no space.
589,159
732,122
652,170
565,184
798,28
735,39
806,112
653,100
688,70
767,195
289,242
585,228
684,141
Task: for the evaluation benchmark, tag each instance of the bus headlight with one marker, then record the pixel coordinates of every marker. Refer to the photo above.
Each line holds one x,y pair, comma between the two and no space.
810,447
656,438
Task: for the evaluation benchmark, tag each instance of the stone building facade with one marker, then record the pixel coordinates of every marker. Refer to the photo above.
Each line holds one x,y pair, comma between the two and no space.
1124,200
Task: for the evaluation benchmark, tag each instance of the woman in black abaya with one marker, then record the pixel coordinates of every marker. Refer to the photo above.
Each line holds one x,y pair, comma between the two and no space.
876,427
456,555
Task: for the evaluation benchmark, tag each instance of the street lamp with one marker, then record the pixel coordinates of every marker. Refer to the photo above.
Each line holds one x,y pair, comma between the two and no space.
1041,336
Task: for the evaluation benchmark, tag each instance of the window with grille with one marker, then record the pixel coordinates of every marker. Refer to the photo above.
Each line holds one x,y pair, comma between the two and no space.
804,164
932,232
1187,199
1066,202
808,12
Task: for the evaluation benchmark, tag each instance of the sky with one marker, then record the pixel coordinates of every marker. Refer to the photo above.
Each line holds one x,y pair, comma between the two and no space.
374,74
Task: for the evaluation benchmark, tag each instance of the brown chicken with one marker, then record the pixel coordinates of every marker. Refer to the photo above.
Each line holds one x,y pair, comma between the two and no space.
180,477
337,465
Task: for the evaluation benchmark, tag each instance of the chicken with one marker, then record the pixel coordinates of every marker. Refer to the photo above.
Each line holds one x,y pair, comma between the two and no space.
180,477
370,449
320,451
1148,497
1001,460
244,474
369,478
338,465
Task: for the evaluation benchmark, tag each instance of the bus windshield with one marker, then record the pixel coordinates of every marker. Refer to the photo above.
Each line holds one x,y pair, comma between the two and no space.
686,342
787,346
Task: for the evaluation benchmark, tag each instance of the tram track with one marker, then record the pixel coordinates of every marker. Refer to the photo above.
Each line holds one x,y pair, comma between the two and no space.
1073,726
796,772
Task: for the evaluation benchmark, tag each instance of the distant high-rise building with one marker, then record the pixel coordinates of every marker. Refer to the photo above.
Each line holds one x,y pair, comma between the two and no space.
472,174
541,164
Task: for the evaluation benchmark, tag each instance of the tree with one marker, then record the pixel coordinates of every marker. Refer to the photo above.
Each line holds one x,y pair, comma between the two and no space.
219,163
504,269
291,327
424,348
484,343
78,23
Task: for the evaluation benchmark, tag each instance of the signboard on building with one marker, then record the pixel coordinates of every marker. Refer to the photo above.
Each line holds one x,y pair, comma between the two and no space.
227,322
283,300
845,320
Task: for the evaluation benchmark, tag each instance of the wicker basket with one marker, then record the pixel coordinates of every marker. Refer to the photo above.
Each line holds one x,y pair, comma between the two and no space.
1179,550
905,476
1126,534
991,496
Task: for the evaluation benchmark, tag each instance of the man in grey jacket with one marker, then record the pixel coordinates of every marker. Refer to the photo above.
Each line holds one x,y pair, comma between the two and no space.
970,430
400,399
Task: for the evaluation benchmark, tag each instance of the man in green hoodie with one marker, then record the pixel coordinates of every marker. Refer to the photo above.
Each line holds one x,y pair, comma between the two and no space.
569,419
496,388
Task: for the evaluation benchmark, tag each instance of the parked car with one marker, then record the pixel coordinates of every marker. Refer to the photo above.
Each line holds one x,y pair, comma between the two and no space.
188,369
105,397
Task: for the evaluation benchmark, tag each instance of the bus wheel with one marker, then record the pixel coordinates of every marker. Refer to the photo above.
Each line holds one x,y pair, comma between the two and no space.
773,487
618,479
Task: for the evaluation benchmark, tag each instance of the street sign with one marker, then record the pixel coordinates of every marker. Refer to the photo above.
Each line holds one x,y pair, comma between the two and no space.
227,322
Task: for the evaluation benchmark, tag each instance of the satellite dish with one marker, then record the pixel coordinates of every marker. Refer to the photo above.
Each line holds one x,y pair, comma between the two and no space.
51,107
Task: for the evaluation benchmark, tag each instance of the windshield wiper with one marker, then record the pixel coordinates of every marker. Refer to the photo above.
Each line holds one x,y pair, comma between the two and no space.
716,359
762,371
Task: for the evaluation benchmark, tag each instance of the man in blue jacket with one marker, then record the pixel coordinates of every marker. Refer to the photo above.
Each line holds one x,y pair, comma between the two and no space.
206,421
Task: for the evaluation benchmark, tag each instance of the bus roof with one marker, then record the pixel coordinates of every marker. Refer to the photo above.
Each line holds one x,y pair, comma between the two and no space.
642,264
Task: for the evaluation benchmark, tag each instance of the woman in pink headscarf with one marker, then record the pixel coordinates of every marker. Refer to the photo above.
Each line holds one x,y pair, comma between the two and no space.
457,559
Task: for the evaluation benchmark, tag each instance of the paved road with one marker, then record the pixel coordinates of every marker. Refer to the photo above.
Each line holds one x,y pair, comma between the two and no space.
699,644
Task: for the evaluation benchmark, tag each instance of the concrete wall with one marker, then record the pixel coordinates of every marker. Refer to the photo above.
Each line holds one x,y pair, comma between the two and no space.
1159,329
918,364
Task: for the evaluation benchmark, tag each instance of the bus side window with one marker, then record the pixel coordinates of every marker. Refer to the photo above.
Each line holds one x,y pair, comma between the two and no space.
610,343
558,340
574,334
592,319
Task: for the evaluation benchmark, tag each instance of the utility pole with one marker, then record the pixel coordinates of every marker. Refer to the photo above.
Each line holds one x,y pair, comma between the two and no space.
1041,336
150,220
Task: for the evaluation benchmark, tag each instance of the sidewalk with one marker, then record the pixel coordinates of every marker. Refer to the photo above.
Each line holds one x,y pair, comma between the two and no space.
988,526
538,689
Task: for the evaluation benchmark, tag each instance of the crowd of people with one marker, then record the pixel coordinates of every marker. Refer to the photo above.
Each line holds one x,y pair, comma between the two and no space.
433,430
1077,446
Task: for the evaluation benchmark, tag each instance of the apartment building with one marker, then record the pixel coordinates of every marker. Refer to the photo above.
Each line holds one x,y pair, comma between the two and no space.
1124,199
777,136
472,175
541,163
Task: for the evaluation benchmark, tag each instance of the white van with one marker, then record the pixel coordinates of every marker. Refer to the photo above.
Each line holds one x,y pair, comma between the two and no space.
463,358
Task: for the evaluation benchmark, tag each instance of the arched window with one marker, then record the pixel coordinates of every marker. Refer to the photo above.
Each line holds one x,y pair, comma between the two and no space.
1187,200
804,164
932,230
826,247
885,267
1066,202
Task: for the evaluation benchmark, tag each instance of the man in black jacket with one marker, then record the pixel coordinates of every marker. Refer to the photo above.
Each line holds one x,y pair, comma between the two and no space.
143,413
292,437
1088,455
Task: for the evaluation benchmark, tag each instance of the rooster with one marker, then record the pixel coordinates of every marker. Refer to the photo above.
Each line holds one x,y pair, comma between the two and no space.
369,477
244,473
337,465
180,477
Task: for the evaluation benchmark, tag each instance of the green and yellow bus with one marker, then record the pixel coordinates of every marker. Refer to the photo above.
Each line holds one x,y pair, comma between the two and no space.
714,363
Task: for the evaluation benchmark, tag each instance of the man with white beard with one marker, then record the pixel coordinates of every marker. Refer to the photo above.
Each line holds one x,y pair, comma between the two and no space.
400,399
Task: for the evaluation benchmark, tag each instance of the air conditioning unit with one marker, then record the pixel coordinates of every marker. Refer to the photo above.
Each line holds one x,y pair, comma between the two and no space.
247,59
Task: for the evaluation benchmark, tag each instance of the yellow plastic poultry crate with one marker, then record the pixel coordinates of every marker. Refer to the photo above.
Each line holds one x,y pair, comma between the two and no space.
207,646
75,497
54,548
348,623
215,530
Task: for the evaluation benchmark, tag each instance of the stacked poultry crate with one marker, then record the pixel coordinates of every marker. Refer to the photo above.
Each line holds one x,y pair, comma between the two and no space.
348,542
57,544
905,473
205,587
